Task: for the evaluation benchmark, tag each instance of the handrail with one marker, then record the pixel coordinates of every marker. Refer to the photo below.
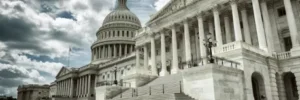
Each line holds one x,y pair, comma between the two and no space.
217,60
152,90
112,83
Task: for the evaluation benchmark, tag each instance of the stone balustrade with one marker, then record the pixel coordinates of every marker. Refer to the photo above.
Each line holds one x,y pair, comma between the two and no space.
238,45
283,55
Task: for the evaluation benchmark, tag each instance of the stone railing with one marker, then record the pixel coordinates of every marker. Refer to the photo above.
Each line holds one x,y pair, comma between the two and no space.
283,55
119,59
237,45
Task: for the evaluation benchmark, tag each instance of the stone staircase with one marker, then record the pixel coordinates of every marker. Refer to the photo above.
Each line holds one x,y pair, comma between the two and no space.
163,88
175,96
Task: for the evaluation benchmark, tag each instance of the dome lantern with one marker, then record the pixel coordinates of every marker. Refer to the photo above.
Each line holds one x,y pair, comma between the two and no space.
122,4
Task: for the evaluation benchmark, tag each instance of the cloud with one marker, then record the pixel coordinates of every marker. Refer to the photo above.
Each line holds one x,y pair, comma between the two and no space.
36,36
159,4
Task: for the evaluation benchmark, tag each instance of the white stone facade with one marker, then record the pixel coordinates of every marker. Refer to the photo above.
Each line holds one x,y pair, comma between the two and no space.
257,53
261,35
33,92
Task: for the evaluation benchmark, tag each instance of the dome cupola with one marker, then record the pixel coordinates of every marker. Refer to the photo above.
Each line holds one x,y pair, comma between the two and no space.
115,38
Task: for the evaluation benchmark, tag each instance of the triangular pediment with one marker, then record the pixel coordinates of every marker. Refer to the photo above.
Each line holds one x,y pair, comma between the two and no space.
63,71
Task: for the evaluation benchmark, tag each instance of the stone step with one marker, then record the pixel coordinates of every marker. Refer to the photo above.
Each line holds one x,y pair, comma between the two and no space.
176,96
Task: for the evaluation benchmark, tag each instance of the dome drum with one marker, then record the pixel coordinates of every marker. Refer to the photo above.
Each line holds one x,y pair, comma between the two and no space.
116,36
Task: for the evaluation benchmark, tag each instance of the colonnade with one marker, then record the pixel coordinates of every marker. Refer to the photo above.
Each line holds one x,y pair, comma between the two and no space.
82,85
262,23
112,51
65,87
116,33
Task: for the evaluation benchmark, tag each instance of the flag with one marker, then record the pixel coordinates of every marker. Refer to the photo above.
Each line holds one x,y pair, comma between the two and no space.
70,49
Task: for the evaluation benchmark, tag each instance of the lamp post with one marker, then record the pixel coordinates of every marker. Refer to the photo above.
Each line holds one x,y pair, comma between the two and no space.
115,72
209,43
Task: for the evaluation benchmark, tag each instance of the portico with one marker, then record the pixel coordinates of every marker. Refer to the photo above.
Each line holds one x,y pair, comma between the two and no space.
234,24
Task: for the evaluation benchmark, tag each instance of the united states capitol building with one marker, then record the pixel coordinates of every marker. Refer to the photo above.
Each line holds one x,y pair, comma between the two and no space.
192,50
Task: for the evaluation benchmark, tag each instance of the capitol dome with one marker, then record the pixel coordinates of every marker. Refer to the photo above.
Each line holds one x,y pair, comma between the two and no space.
115,36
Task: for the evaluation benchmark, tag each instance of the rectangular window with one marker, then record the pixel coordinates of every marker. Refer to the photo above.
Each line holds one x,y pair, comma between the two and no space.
281,11
287,43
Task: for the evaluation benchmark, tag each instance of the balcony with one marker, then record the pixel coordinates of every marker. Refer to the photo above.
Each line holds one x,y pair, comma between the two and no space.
238,45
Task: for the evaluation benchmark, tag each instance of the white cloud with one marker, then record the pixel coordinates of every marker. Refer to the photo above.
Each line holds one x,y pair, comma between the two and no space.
160,4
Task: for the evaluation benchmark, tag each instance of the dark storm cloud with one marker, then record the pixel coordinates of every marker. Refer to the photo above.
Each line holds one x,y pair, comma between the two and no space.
7,59
9,83
17,33
15,29
63,36
12,73
19,8
2,90
66,14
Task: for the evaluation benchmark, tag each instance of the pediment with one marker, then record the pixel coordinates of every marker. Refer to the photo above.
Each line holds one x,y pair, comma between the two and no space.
63,71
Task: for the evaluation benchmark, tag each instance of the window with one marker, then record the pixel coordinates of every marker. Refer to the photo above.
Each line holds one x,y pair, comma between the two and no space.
287,43
281,11
103,76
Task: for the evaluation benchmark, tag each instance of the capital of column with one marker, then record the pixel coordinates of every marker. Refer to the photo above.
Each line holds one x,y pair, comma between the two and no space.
216,7
200,14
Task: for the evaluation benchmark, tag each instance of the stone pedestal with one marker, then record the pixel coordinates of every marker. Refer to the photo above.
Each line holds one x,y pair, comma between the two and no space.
107,92
213,82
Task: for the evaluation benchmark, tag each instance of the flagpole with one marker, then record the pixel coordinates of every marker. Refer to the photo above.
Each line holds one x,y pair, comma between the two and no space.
69,57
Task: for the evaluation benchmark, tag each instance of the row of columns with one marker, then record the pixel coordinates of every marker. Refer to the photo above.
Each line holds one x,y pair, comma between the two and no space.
263,28
116,33
65,87
83,86
112,51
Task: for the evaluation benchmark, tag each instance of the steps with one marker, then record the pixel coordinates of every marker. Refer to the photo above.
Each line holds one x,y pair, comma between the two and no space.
162,85
175,96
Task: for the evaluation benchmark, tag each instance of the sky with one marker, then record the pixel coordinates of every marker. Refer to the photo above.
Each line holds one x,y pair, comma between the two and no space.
35,36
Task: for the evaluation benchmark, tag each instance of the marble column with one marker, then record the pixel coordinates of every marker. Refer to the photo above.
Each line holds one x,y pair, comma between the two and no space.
137,54
109,51
217,27
120,50
267,24
187,41
102,51
89,86
292,23
236,21
131,48
246,25
77,88
227,29
80,87
174,51
202,37
58,88
71,88
163,55
259,25
115,50
86,85
146,60
126,49
153,57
